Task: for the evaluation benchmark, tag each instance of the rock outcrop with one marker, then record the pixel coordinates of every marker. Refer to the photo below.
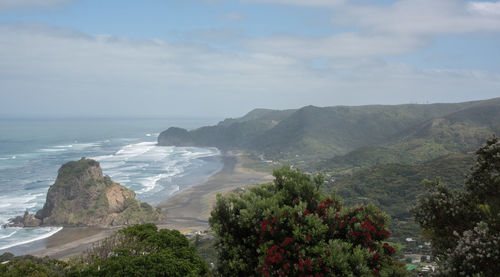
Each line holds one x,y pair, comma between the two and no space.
83,196
28,220
176,137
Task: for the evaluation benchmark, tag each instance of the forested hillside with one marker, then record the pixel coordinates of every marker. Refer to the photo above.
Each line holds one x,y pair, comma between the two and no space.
394,187
402,133
377,153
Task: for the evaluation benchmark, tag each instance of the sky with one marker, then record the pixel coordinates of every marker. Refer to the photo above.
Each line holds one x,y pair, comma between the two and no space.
217,58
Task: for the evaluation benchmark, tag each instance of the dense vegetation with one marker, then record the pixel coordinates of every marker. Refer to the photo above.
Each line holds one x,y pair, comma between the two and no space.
140,250
289,228
464,224
394,187
404,132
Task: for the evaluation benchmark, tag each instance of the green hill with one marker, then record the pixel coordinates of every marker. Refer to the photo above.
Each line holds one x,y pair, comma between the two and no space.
394,187
375,153
315,132
230,133
462,131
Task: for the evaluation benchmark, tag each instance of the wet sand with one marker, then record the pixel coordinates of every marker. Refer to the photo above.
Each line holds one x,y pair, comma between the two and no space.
194,204
187,211
72,241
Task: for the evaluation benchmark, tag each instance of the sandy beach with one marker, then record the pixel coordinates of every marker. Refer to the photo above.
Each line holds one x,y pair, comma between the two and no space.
186,211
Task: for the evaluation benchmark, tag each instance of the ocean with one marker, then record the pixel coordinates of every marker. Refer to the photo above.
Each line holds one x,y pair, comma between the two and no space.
32,150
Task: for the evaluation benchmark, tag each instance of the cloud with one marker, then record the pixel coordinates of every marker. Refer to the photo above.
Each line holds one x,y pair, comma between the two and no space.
341,45
6,5
421,17
233,16
402,27
485,8
74,73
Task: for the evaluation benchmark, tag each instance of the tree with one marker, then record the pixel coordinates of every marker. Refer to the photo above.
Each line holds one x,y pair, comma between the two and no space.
32,266
140,250
143,250
464,224
288,228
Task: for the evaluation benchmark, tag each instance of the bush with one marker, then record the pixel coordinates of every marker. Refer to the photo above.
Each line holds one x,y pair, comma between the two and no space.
288,228
464,224
143,250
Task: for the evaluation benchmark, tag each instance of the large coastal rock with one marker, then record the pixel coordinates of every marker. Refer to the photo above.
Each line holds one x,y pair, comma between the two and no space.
82,196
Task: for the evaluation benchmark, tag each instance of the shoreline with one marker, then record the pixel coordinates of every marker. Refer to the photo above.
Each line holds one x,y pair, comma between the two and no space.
187,211
193,206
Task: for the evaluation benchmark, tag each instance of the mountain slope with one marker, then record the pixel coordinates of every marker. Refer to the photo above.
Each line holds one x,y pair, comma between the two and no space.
323,132
457,132
312,133
230,133
394,187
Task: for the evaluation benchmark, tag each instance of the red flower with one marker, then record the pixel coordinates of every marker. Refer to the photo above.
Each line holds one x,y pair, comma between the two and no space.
389,248
286,241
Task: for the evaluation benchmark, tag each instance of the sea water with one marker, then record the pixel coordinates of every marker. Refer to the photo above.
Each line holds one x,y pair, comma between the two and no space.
32,150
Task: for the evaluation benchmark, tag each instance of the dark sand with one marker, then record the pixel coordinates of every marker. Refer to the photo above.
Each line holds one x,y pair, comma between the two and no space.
187,211
194,204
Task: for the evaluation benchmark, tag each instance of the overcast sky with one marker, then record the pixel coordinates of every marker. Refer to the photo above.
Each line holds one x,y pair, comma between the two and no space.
223,58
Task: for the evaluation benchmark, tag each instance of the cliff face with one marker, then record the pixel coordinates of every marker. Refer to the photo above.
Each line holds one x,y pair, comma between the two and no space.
82,196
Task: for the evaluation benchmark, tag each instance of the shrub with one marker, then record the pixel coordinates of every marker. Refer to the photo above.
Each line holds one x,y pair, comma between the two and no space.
288,228
464,224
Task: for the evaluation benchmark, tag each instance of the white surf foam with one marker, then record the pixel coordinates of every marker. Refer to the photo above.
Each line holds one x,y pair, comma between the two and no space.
52,149
151,183
141,166
134,150
176,189
81,146
8,236
51,231
64,146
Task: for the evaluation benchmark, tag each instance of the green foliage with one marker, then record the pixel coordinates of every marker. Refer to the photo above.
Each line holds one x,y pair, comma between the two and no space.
464,224
288,228
31,266
398,133
394,187
143,250
140,250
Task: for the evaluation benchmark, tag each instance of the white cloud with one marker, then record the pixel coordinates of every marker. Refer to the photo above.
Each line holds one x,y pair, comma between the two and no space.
60,71
384,30
485,8
420,17
6,5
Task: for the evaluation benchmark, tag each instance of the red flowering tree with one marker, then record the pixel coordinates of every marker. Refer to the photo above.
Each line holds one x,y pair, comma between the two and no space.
288,228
